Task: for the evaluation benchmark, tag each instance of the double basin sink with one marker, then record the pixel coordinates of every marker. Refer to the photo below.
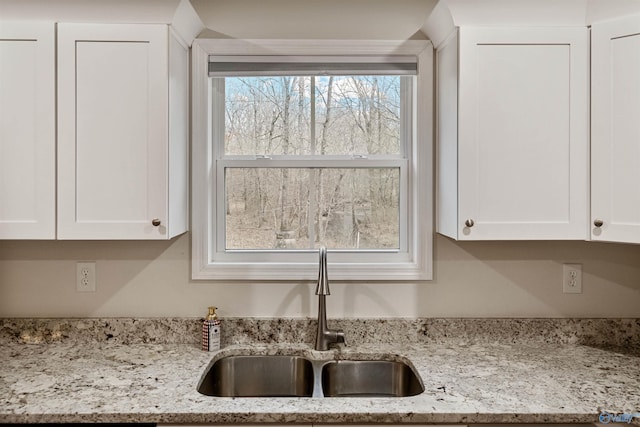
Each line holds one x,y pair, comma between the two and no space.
298,376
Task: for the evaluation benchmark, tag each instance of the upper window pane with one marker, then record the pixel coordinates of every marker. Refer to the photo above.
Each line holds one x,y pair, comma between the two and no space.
313,115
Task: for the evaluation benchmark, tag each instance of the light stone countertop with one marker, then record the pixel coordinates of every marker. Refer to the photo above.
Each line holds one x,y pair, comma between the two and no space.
107,382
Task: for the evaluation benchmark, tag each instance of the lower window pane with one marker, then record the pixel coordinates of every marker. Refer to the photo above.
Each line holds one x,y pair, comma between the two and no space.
293,208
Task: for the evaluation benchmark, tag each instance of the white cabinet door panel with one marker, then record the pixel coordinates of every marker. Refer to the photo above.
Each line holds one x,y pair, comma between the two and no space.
515,98
27,131
523,133
113,132
112,166
615,161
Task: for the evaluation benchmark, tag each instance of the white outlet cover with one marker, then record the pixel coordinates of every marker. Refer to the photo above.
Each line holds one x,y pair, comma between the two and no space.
86,277
572,278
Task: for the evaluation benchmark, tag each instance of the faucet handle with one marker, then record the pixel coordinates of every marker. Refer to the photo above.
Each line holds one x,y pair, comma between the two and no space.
340,337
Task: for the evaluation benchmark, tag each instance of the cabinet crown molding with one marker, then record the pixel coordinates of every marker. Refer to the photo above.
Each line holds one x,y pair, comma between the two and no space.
180,14
449,14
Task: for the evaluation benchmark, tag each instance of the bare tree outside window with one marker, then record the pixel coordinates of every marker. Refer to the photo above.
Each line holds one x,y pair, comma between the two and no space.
299,117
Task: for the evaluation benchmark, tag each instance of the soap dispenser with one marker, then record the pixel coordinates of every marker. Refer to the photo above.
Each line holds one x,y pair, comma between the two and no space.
211,331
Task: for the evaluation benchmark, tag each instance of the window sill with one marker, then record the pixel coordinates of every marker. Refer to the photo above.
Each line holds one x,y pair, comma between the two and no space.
270,271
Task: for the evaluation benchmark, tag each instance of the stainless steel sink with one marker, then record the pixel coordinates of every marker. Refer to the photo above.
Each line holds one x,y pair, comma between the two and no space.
369,378
296,376
259,376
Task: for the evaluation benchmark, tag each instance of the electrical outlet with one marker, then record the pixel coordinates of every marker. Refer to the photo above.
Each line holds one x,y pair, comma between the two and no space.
572,278
86,277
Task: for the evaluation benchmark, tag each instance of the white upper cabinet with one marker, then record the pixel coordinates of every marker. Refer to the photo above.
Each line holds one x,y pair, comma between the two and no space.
27,130
512,112
615,124
122,132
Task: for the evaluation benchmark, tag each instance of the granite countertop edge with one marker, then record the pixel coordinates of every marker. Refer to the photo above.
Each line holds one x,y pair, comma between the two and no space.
299,418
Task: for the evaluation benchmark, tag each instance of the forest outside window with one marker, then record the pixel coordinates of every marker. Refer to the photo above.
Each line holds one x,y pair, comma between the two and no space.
312,160
304,151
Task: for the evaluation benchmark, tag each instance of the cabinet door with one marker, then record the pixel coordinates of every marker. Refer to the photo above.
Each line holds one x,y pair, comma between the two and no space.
27,131
615,121
523,133
112,131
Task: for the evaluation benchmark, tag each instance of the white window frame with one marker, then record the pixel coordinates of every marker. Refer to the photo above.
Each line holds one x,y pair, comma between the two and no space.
414,263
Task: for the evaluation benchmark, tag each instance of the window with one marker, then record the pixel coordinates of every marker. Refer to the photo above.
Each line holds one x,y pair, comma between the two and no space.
292,151
310,160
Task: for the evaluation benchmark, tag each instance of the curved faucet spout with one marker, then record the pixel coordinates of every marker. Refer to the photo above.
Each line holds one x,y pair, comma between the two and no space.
325,336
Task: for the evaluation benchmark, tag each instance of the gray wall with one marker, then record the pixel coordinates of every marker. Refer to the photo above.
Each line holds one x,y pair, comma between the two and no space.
472,279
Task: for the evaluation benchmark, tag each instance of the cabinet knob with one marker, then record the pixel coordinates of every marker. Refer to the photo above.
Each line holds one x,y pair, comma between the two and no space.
469,222
156,222
598,222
